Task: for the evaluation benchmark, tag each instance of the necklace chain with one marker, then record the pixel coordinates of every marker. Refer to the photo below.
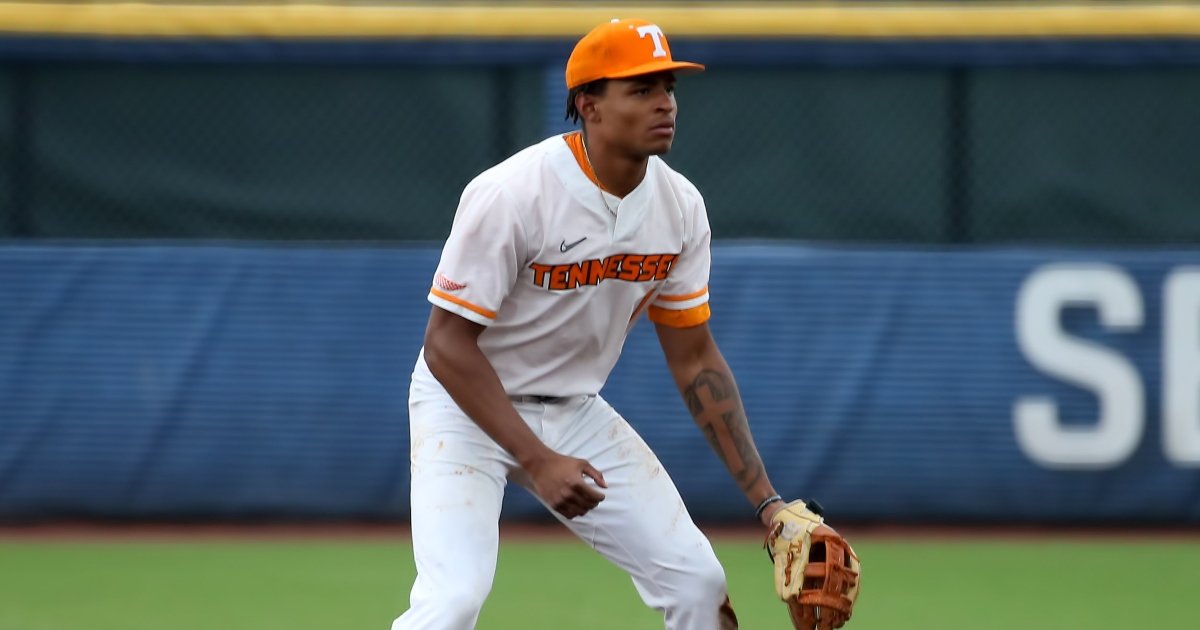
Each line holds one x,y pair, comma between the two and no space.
599,189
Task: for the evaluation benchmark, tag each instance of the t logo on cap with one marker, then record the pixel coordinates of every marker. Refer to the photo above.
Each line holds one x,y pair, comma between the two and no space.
656,34
617,50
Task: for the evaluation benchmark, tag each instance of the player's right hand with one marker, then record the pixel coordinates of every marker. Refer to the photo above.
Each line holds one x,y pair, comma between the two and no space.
559,481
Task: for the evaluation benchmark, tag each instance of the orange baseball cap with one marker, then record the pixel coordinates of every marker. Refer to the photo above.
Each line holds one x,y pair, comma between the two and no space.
621,49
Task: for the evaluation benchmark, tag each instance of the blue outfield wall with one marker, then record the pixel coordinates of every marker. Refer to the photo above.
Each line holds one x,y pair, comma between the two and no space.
237,381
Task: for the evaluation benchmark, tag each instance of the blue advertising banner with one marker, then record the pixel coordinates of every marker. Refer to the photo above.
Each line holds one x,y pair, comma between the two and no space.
219,381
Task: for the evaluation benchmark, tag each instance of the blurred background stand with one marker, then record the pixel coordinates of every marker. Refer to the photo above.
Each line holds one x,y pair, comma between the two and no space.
220,222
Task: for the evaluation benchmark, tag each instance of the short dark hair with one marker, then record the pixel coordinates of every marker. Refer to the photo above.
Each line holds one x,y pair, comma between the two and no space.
595,87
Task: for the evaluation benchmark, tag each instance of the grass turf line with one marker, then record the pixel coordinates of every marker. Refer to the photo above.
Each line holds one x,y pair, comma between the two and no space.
963,585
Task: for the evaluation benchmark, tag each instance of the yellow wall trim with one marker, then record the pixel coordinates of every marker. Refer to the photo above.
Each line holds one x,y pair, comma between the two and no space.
445,20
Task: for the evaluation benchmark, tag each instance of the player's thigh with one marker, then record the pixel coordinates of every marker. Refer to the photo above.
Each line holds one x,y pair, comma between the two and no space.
441,433
642,525
457,488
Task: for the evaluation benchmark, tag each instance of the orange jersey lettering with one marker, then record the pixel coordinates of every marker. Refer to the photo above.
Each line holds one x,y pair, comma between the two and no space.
625,267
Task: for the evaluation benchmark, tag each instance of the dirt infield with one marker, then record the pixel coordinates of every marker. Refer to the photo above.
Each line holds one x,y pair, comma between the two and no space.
382,532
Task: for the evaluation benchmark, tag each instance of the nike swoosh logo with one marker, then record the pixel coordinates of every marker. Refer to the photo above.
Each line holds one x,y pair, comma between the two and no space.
564,247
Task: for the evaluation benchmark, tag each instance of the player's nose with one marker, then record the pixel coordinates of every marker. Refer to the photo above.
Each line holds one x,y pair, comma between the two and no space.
664,98
667,97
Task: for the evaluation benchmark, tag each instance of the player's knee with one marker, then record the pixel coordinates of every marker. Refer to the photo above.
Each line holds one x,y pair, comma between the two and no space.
702,585
463,605
458,608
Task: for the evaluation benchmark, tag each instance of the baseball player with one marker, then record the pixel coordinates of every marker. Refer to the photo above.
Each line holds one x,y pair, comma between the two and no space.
553,256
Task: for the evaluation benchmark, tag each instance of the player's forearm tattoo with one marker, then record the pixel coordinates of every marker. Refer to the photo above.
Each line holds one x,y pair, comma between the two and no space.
713,400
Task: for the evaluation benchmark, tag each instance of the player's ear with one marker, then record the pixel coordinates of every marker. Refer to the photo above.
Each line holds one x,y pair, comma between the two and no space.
586,105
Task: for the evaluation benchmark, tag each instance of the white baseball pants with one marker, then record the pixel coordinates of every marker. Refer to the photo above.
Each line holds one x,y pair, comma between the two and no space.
458,479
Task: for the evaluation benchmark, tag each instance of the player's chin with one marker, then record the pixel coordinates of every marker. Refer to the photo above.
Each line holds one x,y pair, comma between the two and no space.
659,146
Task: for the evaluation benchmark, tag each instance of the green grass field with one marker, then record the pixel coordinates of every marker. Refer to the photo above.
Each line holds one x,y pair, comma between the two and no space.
964,585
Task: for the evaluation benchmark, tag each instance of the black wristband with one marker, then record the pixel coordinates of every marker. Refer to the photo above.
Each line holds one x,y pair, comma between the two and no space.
762,506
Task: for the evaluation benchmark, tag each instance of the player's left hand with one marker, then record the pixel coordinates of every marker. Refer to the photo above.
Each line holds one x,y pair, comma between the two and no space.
769,512
817,574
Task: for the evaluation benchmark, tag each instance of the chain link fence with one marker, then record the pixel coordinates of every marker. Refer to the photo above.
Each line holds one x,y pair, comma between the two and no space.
381,152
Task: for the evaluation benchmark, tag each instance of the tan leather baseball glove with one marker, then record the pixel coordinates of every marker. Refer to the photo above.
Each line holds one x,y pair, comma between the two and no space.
817,574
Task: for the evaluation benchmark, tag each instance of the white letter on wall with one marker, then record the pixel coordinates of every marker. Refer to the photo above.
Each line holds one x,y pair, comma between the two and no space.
1181,366
1083,363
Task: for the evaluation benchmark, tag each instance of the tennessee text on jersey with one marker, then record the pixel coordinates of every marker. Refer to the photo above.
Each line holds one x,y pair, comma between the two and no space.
627,267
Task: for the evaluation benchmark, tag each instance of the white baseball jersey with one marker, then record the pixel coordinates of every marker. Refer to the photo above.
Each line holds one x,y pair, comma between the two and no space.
559,270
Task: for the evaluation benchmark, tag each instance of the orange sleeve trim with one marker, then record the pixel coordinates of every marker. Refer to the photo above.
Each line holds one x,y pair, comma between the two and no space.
463,303
683,298
680,319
